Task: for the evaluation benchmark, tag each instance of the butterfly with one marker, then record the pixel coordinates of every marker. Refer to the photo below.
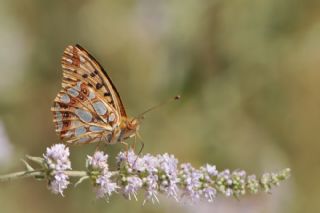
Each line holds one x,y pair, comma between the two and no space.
88,108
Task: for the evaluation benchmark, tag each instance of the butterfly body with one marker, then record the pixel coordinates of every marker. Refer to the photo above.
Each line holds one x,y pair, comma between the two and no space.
88,108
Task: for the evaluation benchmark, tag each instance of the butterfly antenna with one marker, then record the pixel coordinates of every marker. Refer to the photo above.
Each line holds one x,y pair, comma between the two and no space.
141,116
142,143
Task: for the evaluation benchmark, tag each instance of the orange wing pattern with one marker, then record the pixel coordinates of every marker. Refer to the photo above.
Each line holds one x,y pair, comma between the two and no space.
88,108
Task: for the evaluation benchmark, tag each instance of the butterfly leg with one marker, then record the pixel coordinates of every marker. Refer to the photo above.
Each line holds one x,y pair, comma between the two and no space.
133,146
98,145
126,147
142,146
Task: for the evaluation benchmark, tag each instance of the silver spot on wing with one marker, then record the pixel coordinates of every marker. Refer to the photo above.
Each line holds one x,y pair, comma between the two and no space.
112,116
79,131
73,92
99,107
58,116
65,98
91,95
84,115
59,125
96,129
83,139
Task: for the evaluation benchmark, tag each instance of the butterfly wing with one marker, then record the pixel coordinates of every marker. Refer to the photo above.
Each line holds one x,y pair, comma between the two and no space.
88,108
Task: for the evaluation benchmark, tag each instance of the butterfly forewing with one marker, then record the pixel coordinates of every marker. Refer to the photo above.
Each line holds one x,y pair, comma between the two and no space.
88,107
78,63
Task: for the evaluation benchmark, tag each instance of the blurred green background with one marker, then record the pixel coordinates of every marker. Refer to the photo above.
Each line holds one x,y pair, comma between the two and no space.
248,72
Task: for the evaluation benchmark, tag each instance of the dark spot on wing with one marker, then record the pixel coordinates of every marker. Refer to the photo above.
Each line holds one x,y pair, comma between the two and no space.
107,94
98,86
62,133
85,75
68,79
63,105
66,123
97,118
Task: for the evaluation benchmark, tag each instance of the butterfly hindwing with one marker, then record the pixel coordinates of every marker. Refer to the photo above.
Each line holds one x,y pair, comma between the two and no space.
79,114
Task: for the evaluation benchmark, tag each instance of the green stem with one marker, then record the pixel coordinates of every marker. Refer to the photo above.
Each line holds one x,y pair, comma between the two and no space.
37,173
22,174
76,173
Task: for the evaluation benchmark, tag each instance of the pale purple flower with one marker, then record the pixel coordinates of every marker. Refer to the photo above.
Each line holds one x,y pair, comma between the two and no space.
168,174
155,175
59,182
98,161
97,164
168,164
128,157
210,170
209,193
131,186
190,178
148,163
238,182
57,157
104,186
224,182
151,186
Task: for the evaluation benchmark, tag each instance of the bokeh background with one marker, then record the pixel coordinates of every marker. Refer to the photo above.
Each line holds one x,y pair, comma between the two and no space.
248,72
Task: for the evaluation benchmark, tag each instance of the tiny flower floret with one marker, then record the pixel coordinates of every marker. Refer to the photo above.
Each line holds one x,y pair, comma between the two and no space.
252,184
97,165
131,186
58,183
57,157
105,186
211,170
98,161
57,161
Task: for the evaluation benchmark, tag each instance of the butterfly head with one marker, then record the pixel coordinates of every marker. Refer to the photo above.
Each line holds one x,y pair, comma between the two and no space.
130,127
133,124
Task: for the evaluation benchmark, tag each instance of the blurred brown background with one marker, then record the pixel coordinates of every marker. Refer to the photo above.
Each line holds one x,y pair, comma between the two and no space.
248,72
